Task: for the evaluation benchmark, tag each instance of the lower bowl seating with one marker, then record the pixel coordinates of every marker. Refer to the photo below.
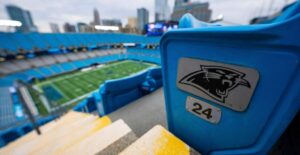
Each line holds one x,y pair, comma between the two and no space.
117,93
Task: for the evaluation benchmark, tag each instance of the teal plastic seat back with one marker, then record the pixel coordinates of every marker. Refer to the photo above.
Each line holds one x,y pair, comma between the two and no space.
248,76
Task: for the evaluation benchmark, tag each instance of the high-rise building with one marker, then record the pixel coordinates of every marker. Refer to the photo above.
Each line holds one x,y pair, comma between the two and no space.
132,22
24,16
83,27
180,2
112,22
142,18
131,26
54,28
200,10
69,28
97,20
162,10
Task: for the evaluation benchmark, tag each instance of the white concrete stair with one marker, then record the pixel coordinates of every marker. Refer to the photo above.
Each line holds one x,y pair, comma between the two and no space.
110,140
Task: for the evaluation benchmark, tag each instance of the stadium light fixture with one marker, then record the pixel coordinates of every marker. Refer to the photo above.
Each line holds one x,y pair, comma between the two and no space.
106,28
11,23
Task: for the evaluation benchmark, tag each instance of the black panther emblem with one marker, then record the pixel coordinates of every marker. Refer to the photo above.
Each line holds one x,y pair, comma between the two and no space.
215,81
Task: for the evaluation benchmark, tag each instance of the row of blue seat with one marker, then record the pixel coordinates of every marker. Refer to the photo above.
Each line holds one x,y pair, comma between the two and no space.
111,97
12,42
146,51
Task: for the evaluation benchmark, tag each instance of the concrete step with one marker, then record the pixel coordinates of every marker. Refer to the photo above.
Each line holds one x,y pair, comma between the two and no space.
51,133
69,117
158,140
110,140
74,137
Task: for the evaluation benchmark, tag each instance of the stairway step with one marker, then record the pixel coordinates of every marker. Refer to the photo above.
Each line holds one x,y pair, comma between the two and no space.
61,128
69,117
111,139
158,140
75,136
120,145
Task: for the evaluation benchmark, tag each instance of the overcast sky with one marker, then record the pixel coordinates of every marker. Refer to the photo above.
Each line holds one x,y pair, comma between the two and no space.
73,11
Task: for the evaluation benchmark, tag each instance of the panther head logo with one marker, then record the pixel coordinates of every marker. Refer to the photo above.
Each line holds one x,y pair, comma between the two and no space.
215,81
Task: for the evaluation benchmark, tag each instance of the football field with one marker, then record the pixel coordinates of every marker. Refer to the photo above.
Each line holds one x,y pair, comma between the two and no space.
69,87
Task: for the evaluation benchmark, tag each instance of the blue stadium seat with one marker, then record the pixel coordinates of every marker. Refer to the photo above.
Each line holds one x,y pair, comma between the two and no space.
153,80
46,72
33,73
38,41
79,63
88,105
78,39
51,41
56,69
114,97
72,39
232,90
67,66
63,42
92,40
287,13
9,136
16,76
8,44
22,41
26,128
80,107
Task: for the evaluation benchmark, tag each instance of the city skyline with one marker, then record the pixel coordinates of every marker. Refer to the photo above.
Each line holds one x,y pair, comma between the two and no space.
54,11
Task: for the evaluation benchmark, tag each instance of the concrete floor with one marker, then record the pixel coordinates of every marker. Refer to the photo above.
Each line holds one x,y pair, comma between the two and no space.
144,113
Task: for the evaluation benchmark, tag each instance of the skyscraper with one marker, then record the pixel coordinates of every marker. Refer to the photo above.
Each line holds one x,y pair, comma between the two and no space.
132,22
69,28
142,18
83,27
162,10
131,26
24,16
97,20
54,28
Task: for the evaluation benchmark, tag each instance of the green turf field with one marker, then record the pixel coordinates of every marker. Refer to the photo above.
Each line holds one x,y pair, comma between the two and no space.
67,87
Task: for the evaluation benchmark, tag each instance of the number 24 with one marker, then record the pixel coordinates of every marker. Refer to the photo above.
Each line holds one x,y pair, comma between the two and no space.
200,111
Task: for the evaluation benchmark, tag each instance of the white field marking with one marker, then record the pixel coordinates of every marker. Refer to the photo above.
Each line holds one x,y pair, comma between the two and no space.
86,69
101,65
